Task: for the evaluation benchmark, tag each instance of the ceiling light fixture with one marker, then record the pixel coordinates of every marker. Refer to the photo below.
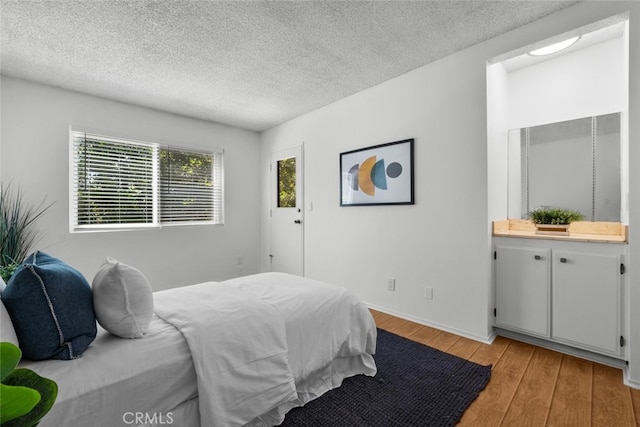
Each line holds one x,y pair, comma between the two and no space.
556,47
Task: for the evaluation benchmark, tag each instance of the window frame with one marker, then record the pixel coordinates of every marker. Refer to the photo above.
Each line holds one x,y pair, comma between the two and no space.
217,177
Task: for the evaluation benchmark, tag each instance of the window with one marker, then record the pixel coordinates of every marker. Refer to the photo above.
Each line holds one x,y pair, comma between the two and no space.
287,183
118,184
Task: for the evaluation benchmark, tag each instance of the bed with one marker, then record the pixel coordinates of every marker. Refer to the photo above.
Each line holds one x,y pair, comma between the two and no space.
238,352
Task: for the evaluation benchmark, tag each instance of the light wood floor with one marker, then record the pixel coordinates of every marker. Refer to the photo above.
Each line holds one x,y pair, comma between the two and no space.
532,386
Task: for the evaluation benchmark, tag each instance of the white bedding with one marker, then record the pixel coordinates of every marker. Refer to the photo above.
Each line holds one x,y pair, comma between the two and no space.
116,378
239,350
304,336
330,333
265,343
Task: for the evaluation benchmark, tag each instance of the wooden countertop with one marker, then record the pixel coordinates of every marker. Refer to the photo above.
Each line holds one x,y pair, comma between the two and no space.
584,231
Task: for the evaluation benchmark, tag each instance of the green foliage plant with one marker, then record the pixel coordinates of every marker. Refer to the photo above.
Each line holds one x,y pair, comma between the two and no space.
555,216
17,227
287,183
25,397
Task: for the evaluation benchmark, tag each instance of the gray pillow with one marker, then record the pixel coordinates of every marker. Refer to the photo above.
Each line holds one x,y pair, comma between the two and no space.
122,299
51,308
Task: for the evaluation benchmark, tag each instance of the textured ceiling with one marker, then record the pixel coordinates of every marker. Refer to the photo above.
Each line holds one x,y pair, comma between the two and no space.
251,64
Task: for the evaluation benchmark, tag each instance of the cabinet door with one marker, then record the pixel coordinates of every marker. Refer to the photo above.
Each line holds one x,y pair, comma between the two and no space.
587,301
523,289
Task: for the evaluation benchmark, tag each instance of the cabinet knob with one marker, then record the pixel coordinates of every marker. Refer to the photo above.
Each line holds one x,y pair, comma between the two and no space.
563,260
537,257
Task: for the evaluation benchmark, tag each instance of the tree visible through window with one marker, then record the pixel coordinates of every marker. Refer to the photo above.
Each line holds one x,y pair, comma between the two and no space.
114,183
186,183
287,183
121,184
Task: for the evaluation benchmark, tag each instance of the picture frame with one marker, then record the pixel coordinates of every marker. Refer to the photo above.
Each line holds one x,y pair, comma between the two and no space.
378,175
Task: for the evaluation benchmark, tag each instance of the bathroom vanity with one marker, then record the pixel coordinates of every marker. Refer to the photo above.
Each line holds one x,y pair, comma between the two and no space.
565,290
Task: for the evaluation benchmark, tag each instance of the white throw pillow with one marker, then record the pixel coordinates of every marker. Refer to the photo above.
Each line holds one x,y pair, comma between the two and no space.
122,299
7,333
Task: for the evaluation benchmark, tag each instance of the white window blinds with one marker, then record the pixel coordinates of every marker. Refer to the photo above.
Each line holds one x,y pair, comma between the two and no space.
119,184
190,186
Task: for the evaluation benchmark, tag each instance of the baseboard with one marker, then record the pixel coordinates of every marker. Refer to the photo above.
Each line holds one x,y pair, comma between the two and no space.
483,339
628,381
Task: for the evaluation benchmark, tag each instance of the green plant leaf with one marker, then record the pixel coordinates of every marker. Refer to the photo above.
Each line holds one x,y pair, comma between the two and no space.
16,402
17,225
555,216
10,355
25,397
6,271
47,389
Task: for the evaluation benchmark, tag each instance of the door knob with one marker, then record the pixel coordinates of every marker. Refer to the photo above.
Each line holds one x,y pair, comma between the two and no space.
297,221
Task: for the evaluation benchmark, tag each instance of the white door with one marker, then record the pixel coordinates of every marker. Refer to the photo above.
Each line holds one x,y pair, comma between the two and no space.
287,244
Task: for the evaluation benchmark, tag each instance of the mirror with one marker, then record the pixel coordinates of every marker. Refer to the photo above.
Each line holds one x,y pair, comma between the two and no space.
573,164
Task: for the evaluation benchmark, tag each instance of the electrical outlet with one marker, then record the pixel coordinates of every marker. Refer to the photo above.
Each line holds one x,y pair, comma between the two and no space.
391,284
428,292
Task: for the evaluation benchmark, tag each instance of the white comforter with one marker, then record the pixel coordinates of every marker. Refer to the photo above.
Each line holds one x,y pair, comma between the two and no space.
117,378
263,344
239,351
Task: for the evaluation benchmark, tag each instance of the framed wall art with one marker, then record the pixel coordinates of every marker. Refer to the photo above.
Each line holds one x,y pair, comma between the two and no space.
377,175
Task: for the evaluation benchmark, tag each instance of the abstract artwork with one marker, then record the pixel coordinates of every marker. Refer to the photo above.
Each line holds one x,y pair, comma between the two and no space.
377,175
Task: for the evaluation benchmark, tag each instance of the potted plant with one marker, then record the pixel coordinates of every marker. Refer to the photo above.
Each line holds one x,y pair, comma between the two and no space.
554,220
25,397
17,228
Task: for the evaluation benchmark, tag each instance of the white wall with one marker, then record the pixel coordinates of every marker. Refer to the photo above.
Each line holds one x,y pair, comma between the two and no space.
35,154
585,83
499,174
443,241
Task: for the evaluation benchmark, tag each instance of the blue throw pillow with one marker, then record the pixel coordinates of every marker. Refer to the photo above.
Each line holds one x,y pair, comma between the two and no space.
51,307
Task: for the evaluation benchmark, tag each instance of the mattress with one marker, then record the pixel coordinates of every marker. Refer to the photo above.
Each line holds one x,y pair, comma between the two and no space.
156,371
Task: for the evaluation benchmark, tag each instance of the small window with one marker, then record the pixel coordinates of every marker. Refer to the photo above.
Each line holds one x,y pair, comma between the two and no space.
119,184
287,183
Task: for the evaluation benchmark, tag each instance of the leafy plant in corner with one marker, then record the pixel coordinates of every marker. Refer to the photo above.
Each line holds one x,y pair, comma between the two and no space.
17,228
555,216
25,397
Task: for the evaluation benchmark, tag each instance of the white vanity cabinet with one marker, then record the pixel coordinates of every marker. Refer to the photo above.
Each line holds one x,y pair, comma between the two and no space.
587,300
523,289
566,292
